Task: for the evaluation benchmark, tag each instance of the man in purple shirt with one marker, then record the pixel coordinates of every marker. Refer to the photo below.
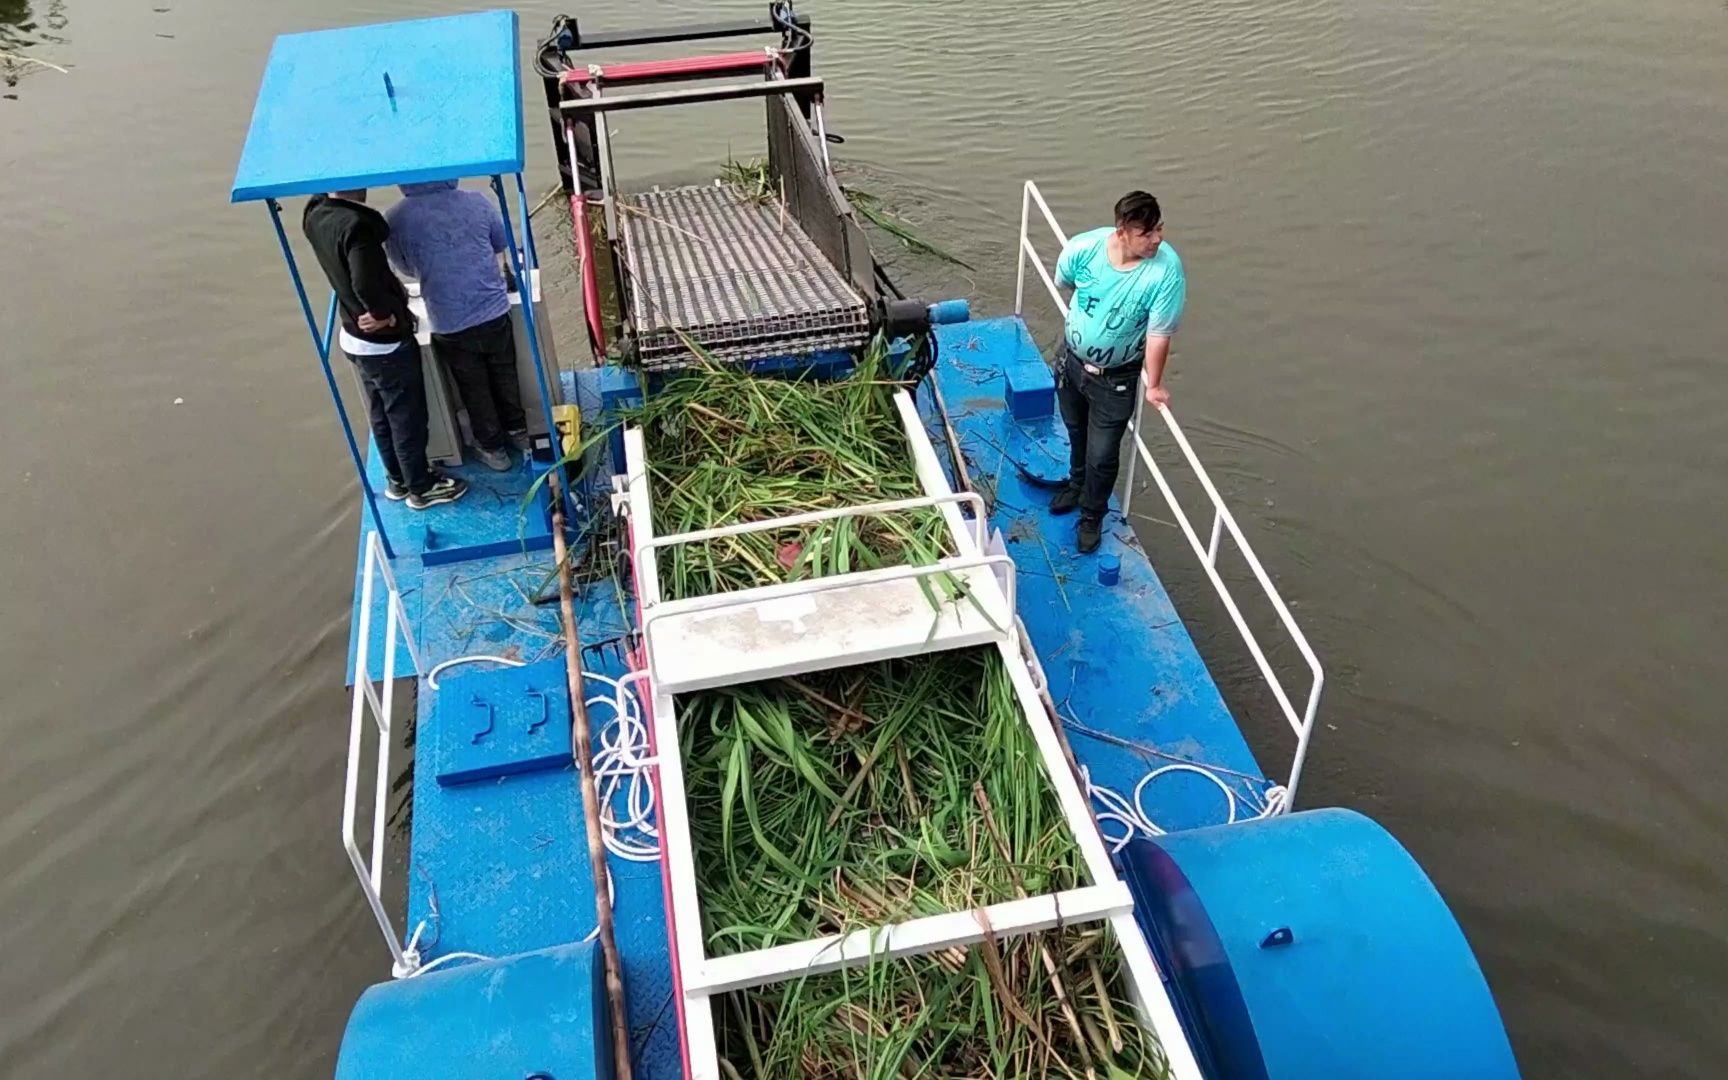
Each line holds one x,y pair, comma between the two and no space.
451,241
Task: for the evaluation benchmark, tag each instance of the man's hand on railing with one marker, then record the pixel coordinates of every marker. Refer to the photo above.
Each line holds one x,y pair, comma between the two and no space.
1157,396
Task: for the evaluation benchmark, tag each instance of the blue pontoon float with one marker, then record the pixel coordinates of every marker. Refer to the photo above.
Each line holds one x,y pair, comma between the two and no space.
1259,940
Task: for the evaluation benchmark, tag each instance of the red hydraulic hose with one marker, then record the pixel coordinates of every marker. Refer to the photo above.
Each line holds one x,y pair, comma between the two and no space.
585,250
590,280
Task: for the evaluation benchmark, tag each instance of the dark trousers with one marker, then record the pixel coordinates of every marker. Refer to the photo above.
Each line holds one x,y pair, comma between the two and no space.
482,360
1096,410
395,387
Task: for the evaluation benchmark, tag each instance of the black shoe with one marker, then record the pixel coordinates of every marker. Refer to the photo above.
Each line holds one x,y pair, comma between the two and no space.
445,489
395,491
1065,501
1087,537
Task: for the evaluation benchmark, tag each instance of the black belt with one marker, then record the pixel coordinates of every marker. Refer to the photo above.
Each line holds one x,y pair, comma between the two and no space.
1101,372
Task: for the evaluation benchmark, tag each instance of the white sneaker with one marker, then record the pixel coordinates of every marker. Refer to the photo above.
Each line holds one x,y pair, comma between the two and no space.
496,460
445,489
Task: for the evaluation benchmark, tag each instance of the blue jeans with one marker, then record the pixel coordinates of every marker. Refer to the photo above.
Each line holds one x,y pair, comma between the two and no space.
1096,410
395,388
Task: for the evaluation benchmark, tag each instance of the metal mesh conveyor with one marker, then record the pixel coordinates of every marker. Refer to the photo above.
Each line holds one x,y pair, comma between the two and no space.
736,275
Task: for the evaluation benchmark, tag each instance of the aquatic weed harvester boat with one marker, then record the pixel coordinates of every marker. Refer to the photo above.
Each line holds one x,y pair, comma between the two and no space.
764,723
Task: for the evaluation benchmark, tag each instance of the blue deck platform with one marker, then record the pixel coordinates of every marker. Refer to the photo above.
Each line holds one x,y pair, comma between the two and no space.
1119,660
500,866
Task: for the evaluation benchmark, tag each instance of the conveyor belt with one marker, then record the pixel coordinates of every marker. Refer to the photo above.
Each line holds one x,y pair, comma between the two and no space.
737,276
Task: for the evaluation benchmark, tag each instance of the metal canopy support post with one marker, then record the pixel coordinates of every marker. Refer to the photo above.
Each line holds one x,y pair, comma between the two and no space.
525,284
527,231
321,343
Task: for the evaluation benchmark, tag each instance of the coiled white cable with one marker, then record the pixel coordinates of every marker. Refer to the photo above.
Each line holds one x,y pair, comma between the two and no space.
1131,815
621,767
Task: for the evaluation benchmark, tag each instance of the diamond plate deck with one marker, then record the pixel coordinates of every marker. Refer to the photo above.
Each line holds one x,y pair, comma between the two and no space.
739,277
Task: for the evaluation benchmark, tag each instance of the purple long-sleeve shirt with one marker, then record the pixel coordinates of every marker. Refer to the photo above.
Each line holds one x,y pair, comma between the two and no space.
450,240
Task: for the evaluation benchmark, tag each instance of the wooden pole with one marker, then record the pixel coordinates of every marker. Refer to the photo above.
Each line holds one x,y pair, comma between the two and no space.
584,754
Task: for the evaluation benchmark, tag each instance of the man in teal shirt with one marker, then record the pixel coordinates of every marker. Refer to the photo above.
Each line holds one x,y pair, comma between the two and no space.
1128,295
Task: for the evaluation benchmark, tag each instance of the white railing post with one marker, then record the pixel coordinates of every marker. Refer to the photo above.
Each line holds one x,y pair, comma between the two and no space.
1222,521
376,549
1020,250
404,959
1133,459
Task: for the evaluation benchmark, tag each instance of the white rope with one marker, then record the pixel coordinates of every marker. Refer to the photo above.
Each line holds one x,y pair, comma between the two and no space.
1131,815
621,767
432,676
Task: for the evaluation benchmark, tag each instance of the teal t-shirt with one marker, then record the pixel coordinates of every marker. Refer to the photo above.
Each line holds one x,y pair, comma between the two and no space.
1113,310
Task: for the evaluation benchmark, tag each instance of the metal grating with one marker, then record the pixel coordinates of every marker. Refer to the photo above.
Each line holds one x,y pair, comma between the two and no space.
739,277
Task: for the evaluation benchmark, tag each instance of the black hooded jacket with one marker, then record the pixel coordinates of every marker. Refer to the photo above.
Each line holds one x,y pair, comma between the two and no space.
349,240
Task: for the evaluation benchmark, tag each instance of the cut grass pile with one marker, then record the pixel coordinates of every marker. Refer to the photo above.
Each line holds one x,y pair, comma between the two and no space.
850,798
876,794
996,1015
725,447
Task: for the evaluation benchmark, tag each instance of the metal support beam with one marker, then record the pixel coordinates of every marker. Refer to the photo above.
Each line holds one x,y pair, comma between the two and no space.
693,95
618,39
566,162
653,71
527,230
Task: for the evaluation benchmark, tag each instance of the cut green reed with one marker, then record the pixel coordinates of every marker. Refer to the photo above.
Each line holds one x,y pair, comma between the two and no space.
725,447
995,1014
870,795
752,182
846,799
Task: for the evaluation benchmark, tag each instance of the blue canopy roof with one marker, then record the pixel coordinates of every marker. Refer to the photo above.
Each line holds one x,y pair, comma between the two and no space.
393,103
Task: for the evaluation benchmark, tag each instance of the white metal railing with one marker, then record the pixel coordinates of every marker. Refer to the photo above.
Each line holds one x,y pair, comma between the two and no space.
1222,520
811,586
996,606
379,702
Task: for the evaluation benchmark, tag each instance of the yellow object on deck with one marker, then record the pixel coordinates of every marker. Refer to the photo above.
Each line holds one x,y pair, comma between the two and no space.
569,421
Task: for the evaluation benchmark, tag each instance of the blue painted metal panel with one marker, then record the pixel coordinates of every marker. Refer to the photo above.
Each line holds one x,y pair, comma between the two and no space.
390,103
501,723
541,1014
501,867
487,523
1345,959
1029,388
1202,985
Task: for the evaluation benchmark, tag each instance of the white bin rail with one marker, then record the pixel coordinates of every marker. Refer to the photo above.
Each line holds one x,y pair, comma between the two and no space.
1301,723
376,701
792,627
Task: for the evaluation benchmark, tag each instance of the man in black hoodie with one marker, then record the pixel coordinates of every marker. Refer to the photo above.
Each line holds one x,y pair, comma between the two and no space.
377,334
